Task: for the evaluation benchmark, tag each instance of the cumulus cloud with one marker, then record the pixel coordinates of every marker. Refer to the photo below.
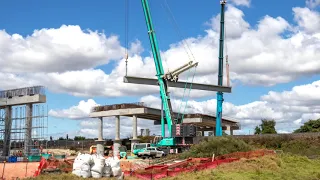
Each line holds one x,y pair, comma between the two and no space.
308,20
81,111
241,2
66,59
303,95
290,109
57,50
312,3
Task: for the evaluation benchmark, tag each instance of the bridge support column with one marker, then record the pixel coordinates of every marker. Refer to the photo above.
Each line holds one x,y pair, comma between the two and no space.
100,141
28,139
117,140
134,139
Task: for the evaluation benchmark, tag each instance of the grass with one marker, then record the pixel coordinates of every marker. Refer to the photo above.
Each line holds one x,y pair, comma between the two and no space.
293,164
275,167
217,146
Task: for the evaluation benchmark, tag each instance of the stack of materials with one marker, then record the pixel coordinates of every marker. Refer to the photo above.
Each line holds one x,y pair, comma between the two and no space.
96,166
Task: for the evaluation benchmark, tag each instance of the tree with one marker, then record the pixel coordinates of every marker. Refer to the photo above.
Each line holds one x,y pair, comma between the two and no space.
79,138
266,127
257,130
61,138
310,126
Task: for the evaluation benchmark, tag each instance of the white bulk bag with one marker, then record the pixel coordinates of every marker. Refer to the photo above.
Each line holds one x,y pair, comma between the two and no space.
107,172
115,166
85,170
116,171
87,158
96,174
77,172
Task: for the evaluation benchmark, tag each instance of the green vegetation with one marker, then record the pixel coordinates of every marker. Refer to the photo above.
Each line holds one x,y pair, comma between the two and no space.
79,138
266,127
145,139
310,126
305,146
280,167
218,146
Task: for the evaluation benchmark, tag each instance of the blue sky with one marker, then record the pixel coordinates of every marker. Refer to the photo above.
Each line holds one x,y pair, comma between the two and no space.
193,18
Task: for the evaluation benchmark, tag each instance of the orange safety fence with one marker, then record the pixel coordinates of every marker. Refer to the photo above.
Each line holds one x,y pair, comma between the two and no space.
63,165
195,164
143,170
162,172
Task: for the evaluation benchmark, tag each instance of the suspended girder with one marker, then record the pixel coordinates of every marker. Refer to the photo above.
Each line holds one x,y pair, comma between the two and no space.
180,84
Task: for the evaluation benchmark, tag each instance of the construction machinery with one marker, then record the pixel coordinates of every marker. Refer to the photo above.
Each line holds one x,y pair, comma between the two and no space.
139,147
172,122
123,152
93,149
220,71
179,134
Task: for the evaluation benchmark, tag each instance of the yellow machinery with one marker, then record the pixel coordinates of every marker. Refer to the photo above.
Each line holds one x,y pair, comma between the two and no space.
93,149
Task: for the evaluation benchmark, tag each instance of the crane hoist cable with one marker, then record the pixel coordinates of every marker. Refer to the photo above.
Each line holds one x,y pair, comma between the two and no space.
184,111
186,47
173,21
126,33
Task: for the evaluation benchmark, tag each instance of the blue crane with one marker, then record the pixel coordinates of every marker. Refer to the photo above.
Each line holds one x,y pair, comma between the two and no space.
220,73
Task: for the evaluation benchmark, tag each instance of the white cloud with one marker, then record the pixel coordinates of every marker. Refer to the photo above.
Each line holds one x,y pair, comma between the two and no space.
81,111
56,50
241,2
290,109
308,20
312,3
65,59
304,95
235,24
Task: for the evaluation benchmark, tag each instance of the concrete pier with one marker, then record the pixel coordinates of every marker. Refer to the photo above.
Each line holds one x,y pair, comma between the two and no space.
7,133
28,133
100,141
134,139
117,140
135,127
230,129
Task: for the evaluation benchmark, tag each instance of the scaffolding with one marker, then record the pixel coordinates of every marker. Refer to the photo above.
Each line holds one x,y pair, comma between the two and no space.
17,133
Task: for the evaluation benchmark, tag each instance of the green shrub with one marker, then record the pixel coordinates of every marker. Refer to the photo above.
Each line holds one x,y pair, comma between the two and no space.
217,146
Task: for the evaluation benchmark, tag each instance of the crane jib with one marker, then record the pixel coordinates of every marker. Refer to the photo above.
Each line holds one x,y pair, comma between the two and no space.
159,68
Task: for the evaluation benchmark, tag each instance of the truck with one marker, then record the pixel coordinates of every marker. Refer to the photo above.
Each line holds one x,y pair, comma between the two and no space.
151,152
139,147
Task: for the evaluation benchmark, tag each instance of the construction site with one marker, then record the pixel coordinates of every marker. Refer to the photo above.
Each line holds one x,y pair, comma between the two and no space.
187,143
